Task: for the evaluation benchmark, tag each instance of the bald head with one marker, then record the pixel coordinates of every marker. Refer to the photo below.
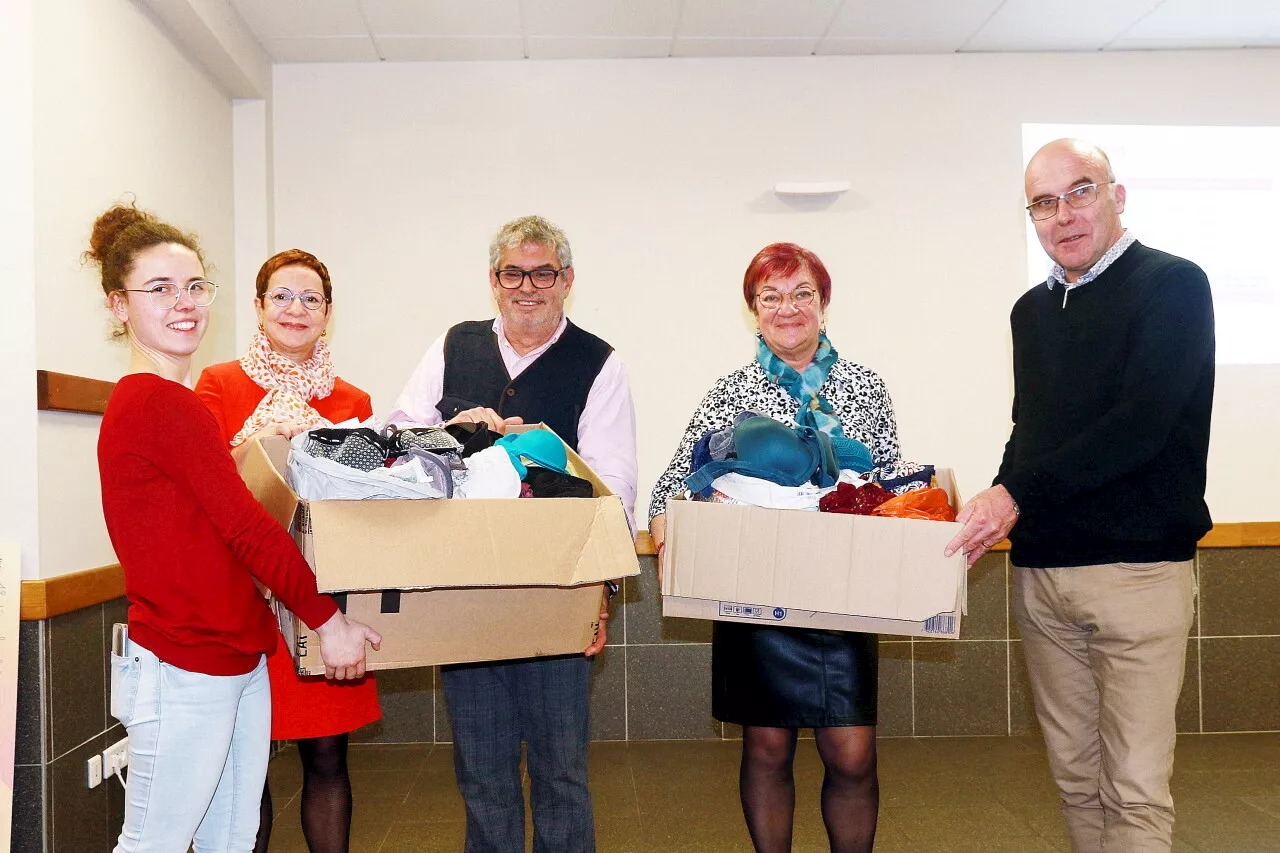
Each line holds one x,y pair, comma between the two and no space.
1073,149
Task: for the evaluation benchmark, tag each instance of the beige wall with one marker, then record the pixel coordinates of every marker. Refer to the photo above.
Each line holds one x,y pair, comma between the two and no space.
18,426
118,110
661,172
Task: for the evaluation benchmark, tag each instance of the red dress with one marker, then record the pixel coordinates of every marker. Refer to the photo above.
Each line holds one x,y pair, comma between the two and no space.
301,706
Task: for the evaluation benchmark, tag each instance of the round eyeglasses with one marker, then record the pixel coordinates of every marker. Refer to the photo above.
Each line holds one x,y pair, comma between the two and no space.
771,300
541,278
282,297
1047,208
165,294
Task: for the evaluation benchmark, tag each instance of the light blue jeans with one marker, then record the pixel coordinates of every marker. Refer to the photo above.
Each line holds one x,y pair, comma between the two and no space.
198,751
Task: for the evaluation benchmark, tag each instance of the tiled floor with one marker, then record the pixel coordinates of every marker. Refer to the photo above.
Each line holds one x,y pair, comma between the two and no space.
959,795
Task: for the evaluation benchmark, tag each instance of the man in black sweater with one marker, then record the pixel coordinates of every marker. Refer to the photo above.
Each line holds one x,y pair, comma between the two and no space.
1101,492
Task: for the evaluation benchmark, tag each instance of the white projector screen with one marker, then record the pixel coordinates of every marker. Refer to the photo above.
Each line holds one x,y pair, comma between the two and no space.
1208,194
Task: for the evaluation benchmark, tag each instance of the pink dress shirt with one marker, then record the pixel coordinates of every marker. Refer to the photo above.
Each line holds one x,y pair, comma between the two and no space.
606,429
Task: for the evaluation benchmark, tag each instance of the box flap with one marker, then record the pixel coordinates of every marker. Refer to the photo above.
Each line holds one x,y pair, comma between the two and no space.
423,544
262,471
426,544
886,567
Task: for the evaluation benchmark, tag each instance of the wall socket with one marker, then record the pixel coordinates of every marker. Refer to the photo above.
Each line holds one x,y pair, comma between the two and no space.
95,771
115,758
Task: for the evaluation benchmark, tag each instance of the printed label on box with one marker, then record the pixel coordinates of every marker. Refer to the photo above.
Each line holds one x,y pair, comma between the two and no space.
753,611
943,623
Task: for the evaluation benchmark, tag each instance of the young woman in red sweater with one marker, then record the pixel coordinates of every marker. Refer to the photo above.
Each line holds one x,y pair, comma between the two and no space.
284,384
190,684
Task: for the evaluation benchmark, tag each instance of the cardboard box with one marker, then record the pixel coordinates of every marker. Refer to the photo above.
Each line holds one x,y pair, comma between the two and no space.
452,581
814,569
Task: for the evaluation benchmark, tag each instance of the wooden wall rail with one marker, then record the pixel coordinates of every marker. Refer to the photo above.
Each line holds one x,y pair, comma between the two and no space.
52,597
44,599
62,392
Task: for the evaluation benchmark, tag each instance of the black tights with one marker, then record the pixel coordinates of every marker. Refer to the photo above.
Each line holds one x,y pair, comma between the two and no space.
326,797
850,788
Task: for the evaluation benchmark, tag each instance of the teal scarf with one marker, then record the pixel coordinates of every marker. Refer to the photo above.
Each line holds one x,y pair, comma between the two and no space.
815,411
805,387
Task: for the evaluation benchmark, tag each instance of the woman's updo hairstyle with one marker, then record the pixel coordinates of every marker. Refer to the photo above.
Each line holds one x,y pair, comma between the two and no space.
124,231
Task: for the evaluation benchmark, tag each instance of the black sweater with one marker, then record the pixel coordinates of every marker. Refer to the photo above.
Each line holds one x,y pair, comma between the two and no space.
1112,399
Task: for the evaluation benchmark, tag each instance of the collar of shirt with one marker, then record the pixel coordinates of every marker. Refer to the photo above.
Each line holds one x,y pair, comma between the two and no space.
1058,275
514,361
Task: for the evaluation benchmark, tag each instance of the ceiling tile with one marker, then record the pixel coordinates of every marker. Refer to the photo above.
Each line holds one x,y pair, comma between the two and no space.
442,17
449,48
298,18
652,18
743,46
325,49
1175,44
860,46
773,19
1241,21
943,20
551,47
1037,25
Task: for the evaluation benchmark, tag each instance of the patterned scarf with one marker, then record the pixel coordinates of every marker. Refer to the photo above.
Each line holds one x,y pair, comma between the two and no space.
290,386
805,387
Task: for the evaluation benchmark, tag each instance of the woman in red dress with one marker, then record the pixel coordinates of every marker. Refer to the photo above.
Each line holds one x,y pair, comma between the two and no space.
283,385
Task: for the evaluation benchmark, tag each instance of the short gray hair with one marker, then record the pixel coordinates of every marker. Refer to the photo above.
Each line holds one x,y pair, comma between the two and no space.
530,229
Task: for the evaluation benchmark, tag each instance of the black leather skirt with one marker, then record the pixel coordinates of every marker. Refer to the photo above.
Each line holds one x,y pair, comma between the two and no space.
791,677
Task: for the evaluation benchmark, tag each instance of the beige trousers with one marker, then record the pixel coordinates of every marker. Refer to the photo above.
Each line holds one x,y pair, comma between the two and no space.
1106,650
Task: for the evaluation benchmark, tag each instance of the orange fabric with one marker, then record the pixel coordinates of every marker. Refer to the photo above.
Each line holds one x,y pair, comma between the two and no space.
300,707
924,504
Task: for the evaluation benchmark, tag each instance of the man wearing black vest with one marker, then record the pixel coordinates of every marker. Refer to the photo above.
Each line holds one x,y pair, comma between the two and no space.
1101,493
529,364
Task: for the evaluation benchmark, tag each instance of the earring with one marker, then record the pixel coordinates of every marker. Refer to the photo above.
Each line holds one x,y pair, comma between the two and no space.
324,332
260,329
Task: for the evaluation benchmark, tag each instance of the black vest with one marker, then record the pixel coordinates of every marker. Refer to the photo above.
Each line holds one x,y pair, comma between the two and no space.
553,390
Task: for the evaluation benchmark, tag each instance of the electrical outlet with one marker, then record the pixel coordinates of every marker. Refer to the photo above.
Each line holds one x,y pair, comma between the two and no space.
115,757
95,771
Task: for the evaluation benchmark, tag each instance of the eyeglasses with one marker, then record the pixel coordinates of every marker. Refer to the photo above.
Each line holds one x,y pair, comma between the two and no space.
282,297
1047,208
513,279
771,300
165,294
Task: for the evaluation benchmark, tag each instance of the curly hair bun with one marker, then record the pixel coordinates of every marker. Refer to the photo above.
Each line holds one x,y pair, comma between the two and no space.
109,226
124,231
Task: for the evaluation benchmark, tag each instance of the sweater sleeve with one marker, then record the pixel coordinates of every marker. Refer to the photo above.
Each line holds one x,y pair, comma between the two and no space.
1171,344
183,442
1010,448
886,449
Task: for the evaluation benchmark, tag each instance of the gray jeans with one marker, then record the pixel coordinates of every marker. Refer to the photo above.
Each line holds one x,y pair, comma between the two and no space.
1106,649
545,703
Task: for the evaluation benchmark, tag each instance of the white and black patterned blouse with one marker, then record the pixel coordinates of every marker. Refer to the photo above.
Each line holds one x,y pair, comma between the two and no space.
857,394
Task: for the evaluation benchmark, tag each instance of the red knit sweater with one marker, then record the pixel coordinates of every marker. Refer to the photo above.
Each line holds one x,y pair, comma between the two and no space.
190,536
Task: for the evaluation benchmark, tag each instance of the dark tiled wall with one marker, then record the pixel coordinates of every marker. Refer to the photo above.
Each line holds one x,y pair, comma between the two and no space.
653,682
63,719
